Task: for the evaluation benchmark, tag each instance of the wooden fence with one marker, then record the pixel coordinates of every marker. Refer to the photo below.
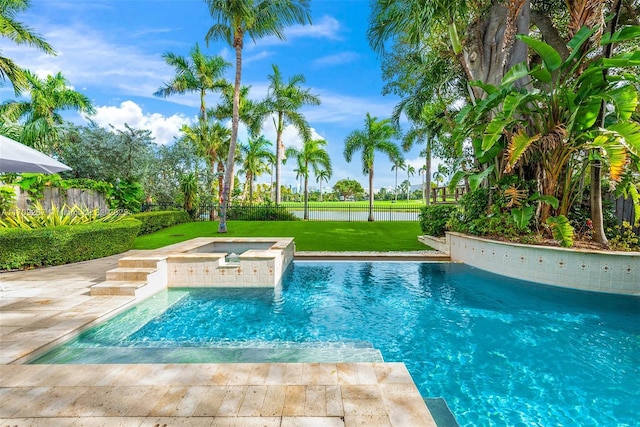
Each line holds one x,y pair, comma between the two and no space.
73,196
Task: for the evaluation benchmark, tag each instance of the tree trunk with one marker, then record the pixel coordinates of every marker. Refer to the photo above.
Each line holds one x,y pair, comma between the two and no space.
320,198
427,172
228,174
491,49
370,219
599,235
306,198
279,155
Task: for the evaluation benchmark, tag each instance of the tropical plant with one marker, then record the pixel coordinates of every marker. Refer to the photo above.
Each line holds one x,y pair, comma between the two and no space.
189,189
284,101
20,34
7,199
38,217
322,175
40,115
398,163
376,136
411,171
197,73
233,20
313,155
254,157
548,131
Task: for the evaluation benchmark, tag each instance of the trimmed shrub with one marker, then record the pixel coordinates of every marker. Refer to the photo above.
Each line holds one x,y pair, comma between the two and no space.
266,212
24,248
157,220
434,218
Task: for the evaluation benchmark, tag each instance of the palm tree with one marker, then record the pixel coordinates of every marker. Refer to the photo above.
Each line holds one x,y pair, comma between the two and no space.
250,113
40,115
376,136
397,164
411,171
322,175
257,19
256,156
197,73
312,155
211,140
284,100
21,35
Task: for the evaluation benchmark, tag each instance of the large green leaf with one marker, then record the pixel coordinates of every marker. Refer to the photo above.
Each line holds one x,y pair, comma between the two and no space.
627,33
625,100
630,134
616,154
576,43
561,229
476,179
493,132
522,216
551,58
518,146
550,200
515,73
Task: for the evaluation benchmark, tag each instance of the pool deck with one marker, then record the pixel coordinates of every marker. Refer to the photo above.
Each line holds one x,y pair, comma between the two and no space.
41,307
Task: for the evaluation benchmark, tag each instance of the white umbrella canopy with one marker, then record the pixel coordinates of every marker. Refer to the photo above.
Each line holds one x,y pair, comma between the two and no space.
17,158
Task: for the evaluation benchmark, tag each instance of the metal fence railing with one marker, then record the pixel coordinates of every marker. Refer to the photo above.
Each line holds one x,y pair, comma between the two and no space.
316,212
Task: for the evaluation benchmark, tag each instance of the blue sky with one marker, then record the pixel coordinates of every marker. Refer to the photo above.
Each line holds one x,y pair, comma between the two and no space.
111,50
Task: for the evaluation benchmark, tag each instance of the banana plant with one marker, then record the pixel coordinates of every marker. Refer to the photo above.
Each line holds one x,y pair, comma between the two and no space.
548,129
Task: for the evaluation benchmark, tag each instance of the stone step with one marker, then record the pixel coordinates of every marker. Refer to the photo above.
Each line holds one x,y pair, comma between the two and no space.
121,288
135,274
140,262
102,355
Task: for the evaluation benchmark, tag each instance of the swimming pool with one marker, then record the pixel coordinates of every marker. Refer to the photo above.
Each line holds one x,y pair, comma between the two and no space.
500,351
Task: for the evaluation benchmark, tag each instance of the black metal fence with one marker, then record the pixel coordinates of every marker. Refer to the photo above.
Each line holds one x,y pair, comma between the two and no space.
316,212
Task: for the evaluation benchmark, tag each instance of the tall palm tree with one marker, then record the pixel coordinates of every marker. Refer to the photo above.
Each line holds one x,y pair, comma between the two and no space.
256,157
255,18
21,35
397,164
40,115
376,136
322,175
312,155
197,73
284,100
411,171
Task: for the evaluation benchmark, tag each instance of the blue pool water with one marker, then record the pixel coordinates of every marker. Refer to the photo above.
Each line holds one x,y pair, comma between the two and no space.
501,352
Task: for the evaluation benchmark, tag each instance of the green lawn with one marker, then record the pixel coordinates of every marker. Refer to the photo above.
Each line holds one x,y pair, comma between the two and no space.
309,236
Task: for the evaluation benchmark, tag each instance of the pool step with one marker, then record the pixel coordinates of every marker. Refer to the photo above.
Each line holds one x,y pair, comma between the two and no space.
136,274
103,355
113,287
441,413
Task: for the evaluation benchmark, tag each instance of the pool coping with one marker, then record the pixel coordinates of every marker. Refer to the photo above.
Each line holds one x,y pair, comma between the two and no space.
43,306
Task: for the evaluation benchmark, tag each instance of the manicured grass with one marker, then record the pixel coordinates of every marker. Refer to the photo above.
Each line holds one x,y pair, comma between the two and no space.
309,236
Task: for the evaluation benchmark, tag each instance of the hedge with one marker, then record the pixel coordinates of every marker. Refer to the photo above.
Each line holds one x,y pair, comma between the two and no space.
154,221
39,247
434,218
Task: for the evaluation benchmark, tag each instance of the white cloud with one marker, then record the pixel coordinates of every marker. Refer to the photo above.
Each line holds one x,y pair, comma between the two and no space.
327,27
337,59
86,58
162,128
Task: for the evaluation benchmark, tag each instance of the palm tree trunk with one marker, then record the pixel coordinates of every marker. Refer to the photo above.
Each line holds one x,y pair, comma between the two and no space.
306,198
228,174
320,198
427,173
279,152
371,219
596,166
395,189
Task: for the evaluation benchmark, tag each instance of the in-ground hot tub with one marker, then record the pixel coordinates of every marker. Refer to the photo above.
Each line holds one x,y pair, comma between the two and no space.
202,262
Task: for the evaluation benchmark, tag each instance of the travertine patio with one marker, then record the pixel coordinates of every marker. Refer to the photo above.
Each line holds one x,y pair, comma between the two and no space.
42,306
